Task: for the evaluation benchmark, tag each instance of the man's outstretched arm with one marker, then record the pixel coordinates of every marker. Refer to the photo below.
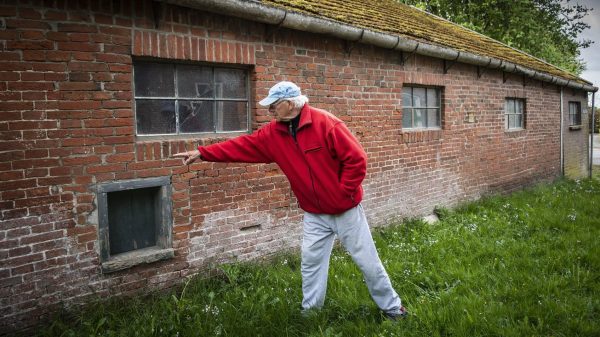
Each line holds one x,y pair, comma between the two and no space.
244,149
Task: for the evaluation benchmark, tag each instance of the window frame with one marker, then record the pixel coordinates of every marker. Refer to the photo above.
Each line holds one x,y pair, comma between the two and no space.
577,114
164,237
523,114
439,92
178,134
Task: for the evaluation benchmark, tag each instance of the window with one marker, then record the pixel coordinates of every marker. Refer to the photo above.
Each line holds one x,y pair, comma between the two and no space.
514,113
421,108
174,99
574,113
134,224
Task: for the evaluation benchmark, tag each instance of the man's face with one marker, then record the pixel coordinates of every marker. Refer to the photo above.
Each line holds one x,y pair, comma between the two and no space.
283,110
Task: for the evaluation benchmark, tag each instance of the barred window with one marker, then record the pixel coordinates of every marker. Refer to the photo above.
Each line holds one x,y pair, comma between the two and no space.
514,113
421,108
174,99
574,113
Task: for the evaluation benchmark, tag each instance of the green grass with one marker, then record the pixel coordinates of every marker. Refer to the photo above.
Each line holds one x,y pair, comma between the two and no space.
520,265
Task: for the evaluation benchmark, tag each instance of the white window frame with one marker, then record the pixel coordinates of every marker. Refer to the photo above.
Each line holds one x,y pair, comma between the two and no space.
410,107
518,109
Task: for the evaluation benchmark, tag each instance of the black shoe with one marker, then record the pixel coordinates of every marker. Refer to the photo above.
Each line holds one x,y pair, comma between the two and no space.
396,316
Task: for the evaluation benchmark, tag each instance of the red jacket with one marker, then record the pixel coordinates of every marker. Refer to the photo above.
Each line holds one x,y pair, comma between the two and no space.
325,164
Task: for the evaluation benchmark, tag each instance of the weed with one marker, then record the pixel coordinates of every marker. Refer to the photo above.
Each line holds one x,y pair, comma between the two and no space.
520,265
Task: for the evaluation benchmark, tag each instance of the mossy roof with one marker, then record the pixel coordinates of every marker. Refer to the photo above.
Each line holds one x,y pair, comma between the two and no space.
392,17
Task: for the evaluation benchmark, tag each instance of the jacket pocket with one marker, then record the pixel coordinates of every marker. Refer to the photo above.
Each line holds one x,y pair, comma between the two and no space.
313,148
346,194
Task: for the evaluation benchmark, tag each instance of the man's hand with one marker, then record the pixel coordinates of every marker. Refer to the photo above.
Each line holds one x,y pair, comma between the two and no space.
188,156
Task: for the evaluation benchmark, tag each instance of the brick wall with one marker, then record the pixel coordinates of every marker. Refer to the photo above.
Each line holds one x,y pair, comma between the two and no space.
576,140
67,125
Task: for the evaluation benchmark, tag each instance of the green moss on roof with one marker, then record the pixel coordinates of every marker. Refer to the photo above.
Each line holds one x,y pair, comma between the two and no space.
391,17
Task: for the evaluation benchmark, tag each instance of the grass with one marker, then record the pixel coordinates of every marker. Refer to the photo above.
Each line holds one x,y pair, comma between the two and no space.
520,265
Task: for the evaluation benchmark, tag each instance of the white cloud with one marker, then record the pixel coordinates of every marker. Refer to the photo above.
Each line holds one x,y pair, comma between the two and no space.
592,76
593,33
591,55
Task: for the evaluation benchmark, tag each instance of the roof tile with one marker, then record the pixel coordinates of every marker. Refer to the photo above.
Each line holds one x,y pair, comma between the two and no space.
392,17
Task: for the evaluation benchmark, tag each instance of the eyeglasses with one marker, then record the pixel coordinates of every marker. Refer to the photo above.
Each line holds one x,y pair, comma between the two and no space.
276,103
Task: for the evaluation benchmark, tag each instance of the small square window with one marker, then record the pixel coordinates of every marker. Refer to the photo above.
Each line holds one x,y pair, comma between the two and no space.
175,99
132,219
421,108
574,113
514,114
135,222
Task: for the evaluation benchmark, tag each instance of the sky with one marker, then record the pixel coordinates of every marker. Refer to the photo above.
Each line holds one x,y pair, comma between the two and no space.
591,55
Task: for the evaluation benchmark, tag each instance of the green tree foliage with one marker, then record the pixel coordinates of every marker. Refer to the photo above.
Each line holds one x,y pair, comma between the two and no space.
547,29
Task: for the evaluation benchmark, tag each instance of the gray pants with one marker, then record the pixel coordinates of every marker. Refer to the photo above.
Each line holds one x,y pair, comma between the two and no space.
352,229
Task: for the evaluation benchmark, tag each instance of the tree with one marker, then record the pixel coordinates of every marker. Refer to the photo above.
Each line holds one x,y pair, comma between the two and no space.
547,29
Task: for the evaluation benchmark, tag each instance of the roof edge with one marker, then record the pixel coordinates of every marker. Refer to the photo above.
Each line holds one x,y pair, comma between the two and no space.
497,41
256,11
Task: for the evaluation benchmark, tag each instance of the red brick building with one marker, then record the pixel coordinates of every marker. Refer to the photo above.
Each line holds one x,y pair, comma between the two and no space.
96,97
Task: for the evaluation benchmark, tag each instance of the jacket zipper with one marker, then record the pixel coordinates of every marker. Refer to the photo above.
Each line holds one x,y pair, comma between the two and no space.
312,181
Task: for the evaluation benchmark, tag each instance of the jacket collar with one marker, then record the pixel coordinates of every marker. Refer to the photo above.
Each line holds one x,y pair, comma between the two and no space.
305,119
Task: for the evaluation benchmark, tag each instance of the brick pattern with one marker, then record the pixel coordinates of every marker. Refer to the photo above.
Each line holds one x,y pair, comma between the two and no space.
67,124
576,144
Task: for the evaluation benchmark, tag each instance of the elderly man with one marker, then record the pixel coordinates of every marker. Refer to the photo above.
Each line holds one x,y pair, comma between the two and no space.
325,166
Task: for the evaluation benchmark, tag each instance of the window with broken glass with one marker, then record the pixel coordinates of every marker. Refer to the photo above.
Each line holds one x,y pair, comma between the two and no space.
175,99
